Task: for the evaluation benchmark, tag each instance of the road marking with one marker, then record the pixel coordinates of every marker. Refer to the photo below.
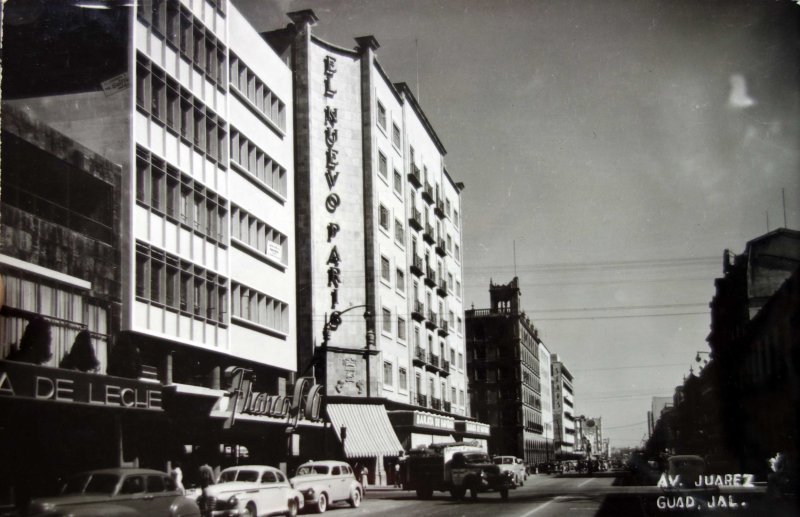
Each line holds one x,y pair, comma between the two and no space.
537,508
586,482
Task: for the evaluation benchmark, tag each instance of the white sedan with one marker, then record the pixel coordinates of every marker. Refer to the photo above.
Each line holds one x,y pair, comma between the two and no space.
251,491
326,482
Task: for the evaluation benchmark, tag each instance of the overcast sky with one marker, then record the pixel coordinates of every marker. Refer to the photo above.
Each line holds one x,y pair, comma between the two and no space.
619,146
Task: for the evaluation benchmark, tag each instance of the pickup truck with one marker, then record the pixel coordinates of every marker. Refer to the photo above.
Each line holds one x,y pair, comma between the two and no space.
455,467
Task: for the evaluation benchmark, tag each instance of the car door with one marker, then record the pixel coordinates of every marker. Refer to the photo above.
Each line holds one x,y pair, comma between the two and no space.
338,486
133,495
270,494
159,495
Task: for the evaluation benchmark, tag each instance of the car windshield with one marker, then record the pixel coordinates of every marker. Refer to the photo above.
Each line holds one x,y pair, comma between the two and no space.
476,458
503,461
230,476
90,484
307,470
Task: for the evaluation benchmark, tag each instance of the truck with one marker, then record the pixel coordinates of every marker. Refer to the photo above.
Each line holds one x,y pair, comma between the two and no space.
456,467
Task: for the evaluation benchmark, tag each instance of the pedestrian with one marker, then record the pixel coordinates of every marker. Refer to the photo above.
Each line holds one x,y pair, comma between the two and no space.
364,476
397,474
177,476
206,475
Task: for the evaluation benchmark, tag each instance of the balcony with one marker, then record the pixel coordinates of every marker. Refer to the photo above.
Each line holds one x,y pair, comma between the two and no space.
420,356
433,360
422,400
415,221
441,289
418,311
417,267
415,176
436,403
427,194
430,277
438,209
431,321
446,406
444,328
440,249
428,235
446,367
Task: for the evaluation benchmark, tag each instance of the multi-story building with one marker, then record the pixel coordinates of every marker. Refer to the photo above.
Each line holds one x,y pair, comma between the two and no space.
563,407
197,111
509,370
658,404
379,251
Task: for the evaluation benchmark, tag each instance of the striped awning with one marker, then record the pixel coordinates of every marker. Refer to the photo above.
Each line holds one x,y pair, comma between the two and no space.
369,432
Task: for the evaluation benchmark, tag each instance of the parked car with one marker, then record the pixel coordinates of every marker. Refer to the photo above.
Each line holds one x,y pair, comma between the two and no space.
116,492
250,490
686,468
326,482
513,465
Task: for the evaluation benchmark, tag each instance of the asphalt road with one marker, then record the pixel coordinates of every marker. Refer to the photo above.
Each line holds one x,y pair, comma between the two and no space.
604,495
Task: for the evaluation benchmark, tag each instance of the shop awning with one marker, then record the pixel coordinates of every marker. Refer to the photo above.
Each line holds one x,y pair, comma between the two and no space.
369,432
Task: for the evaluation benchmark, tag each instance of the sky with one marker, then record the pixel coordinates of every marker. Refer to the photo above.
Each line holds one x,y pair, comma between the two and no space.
611,151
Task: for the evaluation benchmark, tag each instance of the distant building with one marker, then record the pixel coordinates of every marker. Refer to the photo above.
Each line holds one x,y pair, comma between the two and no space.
657,405
563,408
510,377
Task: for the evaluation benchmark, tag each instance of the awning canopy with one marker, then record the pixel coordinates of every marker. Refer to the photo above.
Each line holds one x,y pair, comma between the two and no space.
369,432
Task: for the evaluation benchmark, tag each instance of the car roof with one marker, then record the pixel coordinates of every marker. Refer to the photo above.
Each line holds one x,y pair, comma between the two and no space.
683,457
250,467
327,463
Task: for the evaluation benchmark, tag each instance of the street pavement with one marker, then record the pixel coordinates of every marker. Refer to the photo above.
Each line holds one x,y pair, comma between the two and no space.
604,495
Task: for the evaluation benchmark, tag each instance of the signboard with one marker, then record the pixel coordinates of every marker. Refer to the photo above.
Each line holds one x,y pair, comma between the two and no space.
434,421
275,251
116,84
43,383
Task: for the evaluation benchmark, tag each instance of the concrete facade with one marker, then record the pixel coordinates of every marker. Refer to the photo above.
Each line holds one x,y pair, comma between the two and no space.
563,406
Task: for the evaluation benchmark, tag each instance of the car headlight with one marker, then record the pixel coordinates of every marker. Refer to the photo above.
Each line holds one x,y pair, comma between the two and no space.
308,492
37,507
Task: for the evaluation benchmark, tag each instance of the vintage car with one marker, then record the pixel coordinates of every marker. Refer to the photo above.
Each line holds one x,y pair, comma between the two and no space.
250,490
513,465
326,482
116,492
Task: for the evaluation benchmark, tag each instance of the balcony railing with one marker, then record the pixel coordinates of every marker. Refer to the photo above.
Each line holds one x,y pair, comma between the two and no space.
436,403
442,288
432,319
444,328
446,366
439,208
420,354
440,249
418,310
433,360
428,235
415,221
427,194
446,406
417,266
415,176
422,400
430,276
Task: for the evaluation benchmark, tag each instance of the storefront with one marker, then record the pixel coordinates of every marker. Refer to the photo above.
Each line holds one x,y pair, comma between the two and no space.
467,430
54,422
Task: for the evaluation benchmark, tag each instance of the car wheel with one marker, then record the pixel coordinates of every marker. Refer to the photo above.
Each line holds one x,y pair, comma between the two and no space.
250,510
291,510
355,498
503,493
473,489
322,503
457,492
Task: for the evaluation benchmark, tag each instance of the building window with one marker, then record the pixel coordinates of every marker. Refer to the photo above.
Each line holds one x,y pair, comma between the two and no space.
402,378
387,320
381,115
453,394
400,280
458,288
461,397
459,324
447,206
399,232
383,214
383,165
167,281
417,341
252,159
455,218
460,360
398,182
401,329
260,236
396,141
450,285
259,308
457,252
168,192
386,267
260,98
449,243
387,374
453,357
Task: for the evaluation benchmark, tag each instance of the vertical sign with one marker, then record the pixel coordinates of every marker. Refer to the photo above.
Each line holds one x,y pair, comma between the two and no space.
332,201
